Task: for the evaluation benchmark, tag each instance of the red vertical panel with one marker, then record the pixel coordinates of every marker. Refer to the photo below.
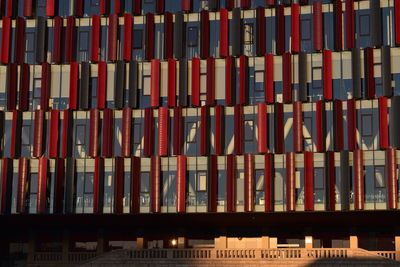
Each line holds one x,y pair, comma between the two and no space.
5,181
338,120
135,185
97,181
195,81
101,85
269,78
95,38
350,25
249,182
23,167
320,121
243,79
224,33
186,5
148,132
27,8
10,8
42,185
16,124
262,128
171,82
370,72
280,29
54,133
65,135
230,4
45,90
290,182
12,73
137,7
204,131
268,174
261,31
204,34
59,185
70,39
108,129
391,163
230,183
245,3
358,179
169,35
5,40
351,124
178,131
308,181
103,7
117,6
155,172
128,25
238,129
287,77
397,20
219,130
383,123
213,174
119,185
73,85
155,83
126,132
297,126
338,19
327,66
181,184
331,172
150,31
38,134
318,26
19,53
160,6
229,93
210,99
112,37
270,2
58,25
78,8
94,133
279,130
295,44
163,118
50,6
24,87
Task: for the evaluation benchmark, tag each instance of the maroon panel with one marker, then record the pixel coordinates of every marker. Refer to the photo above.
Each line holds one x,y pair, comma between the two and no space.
297,126
171,82
358,179
205,131
351,124
169,35
103,7
383,123
338,27
6,185
369,71
102,85
290,182
238,129
78,8
45,89
66,137
279,130
137,7
338,125
178,131
181,184
95,38
150,30
58,25
249,182
391,163
117,6
213,178
54,133
244,76
11,82
269,78
98,185
219,130
128,26
119,185
70,37
59,186
24,87
19,52
94,133
397,20
262,130
224,32
318,26
23,169
308,181
148,132
135,185
268,185
287,77
210,99
245,3
155,173
195,81
230,183
42,185
39,133
320,121
27,8
163,119
295,44
230,4
5,40
230,81
186,5
328,94
160,6
204,34
112,37
280,29
50,7
73,85
350,25
260,13
331,172
108,130
16,134
155,83
126,132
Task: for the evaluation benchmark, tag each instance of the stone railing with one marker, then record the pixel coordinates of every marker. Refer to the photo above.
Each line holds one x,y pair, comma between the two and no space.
59,257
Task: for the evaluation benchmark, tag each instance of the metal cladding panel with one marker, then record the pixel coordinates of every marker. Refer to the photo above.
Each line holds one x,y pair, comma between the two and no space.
78,8
27,8
295,41
212,162
186,5
5,40
42,186
133,84
383,123
195,81
230,183
204,34
249,182
269,78
386,71
94,133
6,185
210,98
23,167
287,77
155,173
73,85
270,2
41,28
391,163
262,130
280,29
268,181
19,53
70,37
338,25
58,25
230,4
321,125
46,83
308,181
318,29
163,142
245,3
351,124
84,86
179,36
128,26
119,86
155,83
183,82
169,36
290,182
395,117
303,88
181,184
150,31
236,35
108,129
358,179
279,130
338,124
224,33
204,131
244,80
119,6
171,82
126,132
24,87
16,130
11,8
148,132
330,181
160,6
95,38
39,134
119,185
54,133
66,149
2,127
112,37
50,7
98,185
397,20
376,23
328,93
297,126
11,84
59,186
238,129
135,185
260,31
104,7
178,131
369,71
350,24
230,81
101,85
219,130
137,7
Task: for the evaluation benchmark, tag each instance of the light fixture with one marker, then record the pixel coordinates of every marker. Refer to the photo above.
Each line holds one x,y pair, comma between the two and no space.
174,242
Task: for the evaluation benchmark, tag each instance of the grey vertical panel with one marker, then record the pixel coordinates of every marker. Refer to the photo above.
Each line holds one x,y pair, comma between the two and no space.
70,185
84,90
236,32
70,133
233,81
303,76
356,72
386,72
345,180
179,36
394,125
213,5
41,41
2,120
183,83
133,84
119,86
376,23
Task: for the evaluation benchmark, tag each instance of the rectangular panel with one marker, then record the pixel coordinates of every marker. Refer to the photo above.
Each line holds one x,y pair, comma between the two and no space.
94,133
19,52
195,81
358,167
219,130
95,38
238,129
179,27
84,85
338,24
45,88
155,173
223,33
268,181
290,182
50,7
205,131
244,80
351,124
27,8
391,163
108,129
128,26
58,25
155,83
210,98
178,131
236,35
321,125
212,163
70,181
279,130
133,84
163,119
330,189
5,40
269,78
23,169
287,77
262,130
15,149
249,182
376,23
369,71
42,185
230,183
303,88
135,185
318,26
230,81
6,185
181,184
148,132
66,149
308,181
54,133
169,36
328,93
69,41
39,134
204,34
104,7
126,132
112,37
295,41
183,83
383,123
297,127
98,185
78,8
350,24
338,124
150,31
260,31
397,20
24,87
386,71
119,84
73,85
119,185
186,5
280,29
171,82
11,85
59,186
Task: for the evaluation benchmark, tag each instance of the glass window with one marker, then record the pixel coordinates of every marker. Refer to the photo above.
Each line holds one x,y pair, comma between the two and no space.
192,36
37,83
248,130
137,136
364,25
259,81
305,25
83,48
248,34
259,178
137,39
317,78
380,177
93,91
202,181
145,182
366,125
319,178
88,183
191,128
80,132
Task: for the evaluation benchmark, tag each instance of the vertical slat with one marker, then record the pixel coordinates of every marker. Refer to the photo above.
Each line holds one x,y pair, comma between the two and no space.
397,20
67,134
260,31
94,133
205,131
70,38
321,125
244,80
148,132
171,82
376,23
54,133
351,124
119,84
358,179
303,88
126,132
297,127
278,128
41,29
386,71
98,185
330,181
169,36
230,4
245,3
383,123
269,78
179,30
78,8
163,118
11,8
210,98
42,204
318,26
262,130
58,25
186,5
73,85
11,85
230,183
27,8
328,93
112,37
39,134
45,88
150,31
128,26
268,181
287,77
369,71
108,129
95,38
338,124
59,185
133,84
155,173
219,130
345,180
195,81
238,129
119,185
84,89
104,7
6,185
308,181
290,182
50,7
183,82
181,184
350,24
2,131
212,163
178,131
160,6
295,41
204,34
155,83
135,185
391,163
5,40
23,169
236,35
223,33
338,24
19,53
24,87
137,7
16,129
230,81
249,182
280,29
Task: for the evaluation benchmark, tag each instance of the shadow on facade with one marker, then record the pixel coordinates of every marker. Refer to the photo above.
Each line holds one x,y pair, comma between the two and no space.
353,262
